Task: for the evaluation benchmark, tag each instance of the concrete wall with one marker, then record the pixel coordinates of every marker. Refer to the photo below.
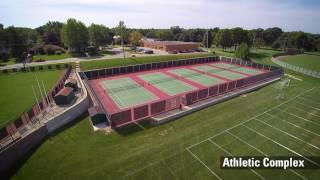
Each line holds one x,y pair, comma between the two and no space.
18,150
68,116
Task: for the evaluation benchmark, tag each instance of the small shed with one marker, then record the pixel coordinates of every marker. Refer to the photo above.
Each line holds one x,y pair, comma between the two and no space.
72,83
97,115
65,96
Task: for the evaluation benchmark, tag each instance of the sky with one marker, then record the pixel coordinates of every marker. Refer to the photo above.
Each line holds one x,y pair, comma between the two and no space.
290,15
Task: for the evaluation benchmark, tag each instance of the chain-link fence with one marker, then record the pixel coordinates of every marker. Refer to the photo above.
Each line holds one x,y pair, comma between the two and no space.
302,70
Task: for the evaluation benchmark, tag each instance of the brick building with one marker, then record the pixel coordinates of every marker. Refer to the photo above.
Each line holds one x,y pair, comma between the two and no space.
171,46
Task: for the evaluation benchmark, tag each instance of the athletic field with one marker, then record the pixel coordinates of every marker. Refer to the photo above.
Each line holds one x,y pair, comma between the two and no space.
182,149
257,123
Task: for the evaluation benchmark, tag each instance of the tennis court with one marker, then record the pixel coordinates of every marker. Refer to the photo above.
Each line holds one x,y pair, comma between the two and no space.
167,84
138,92
219,72
196,76
127,92
241,69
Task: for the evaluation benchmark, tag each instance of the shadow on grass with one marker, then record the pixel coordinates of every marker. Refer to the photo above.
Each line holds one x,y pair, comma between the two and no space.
259,56
314,54
18,164
133,128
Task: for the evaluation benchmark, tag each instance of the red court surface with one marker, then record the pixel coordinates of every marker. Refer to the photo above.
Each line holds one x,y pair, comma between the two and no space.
185,84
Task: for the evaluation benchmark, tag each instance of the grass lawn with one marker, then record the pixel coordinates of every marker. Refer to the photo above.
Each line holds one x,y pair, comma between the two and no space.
16,92
258,55
190,147
52,57
308,61
135,60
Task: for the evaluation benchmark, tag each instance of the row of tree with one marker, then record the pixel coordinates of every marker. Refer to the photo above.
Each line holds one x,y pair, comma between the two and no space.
74,35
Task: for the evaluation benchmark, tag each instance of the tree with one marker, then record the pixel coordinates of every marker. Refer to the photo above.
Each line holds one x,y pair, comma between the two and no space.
271,34
207,39
165,34
99,35
239,36
135,38
223,38
15,44
196,35
121,31
243,51
258,43
75,36
51,32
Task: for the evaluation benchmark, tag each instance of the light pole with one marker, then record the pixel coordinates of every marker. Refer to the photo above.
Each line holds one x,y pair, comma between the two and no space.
117,37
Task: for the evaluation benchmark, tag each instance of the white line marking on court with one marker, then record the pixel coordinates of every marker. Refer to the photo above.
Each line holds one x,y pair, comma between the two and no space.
307,120
316,102
235,136
223,149
294,124
305,111
204,164
285,147
308,105
240,139
149,165
288,134
173,174
113,94
289,100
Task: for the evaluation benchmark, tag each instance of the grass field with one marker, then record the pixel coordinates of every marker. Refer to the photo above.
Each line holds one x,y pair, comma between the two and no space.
308,61
136,60
16,92
189,148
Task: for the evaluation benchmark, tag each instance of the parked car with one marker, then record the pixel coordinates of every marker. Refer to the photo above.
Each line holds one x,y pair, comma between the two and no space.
140,49
148,52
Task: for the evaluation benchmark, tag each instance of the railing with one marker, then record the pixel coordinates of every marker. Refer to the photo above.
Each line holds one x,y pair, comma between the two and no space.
30,119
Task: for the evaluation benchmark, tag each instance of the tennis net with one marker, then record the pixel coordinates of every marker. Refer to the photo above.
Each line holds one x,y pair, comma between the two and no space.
125,87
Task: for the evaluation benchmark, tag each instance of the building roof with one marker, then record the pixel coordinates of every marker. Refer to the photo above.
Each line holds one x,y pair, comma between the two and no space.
168,42
65,91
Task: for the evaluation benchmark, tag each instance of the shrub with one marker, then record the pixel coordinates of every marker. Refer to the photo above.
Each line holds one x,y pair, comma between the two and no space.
40,60
51,49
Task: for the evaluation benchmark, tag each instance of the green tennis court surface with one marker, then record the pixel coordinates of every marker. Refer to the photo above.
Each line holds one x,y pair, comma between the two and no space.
166,83
126,93
238,68
196,77
219,72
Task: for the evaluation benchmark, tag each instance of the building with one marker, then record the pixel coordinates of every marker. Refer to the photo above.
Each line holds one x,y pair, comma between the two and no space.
65,96
171,46
97,115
